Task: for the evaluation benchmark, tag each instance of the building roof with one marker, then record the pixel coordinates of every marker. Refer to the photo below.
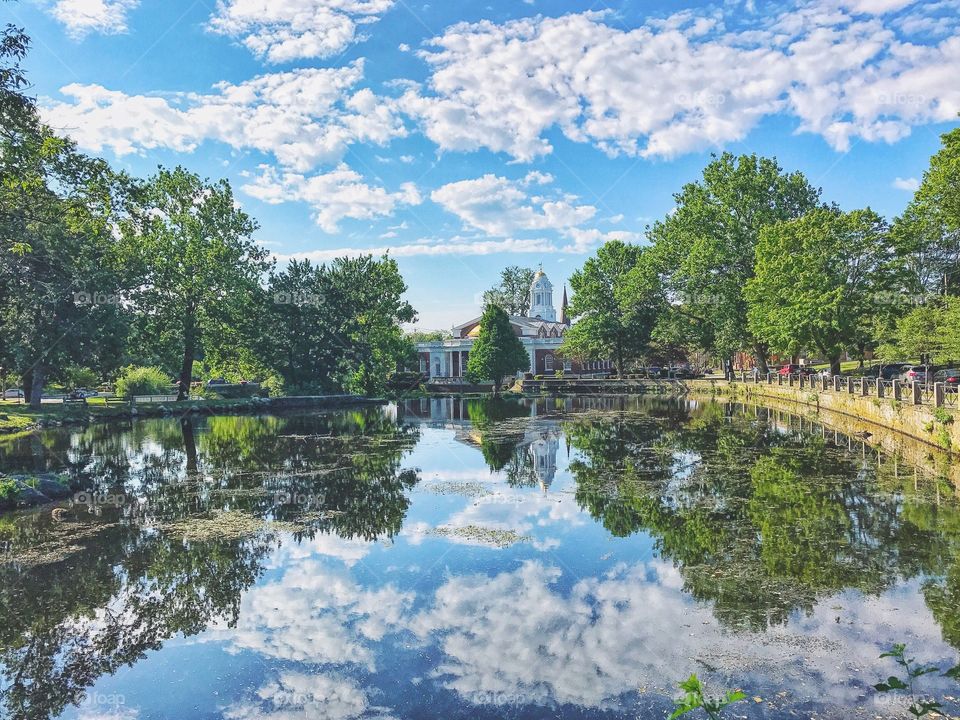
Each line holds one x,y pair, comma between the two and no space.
527,327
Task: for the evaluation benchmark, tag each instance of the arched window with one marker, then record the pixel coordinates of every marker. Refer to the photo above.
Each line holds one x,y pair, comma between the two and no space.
548,362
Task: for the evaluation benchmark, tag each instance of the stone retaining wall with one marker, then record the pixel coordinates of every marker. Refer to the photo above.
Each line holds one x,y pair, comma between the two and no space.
935,426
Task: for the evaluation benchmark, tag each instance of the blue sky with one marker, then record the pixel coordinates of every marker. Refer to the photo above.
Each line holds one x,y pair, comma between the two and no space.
469,136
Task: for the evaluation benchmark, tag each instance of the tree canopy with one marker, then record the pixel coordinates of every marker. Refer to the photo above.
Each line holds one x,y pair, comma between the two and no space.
818,281
512,293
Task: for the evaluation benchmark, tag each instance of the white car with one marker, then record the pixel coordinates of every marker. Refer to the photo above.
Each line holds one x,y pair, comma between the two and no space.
12,394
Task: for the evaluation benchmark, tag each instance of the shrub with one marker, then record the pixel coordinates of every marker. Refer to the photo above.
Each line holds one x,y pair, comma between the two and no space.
273,385
142,381
8,489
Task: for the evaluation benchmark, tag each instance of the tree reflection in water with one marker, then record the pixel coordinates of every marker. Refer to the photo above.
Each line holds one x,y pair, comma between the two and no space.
761,522
95,589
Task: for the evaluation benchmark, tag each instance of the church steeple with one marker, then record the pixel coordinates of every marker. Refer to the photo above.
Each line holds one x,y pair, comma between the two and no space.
563,308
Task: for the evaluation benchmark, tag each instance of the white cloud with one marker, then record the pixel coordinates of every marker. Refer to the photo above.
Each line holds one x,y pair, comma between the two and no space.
93,16
458,246
303,117
682,84
499,206
335,195
285,30
910,184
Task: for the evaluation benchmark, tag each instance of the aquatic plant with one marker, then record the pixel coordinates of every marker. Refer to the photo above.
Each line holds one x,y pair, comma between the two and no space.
920,706
694,699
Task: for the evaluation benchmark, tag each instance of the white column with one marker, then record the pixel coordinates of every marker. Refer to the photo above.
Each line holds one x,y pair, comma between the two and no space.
533,360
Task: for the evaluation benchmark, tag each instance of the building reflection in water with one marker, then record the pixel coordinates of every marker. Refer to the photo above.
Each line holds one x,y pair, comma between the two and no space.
484,424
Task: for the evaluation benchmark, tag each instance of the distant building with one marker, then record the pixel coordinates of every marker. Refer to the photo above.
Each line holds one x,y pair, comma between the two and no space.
539,331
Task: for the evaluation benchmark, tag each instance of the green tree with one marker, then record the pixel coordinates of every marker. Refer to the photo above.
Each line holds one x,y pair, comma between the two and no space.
921,333
296,331
613,309
819,280
57,286
705,249
938,202
497,351
197,267
513,291
366,295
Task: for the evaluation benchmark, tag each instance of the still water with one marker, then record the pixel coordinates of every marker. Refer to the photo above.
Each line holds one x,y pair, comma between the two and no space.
472,559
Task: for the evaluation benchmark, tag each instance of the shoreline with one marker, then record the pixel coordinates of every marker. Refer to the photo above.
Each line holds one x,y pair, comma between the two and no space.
19,420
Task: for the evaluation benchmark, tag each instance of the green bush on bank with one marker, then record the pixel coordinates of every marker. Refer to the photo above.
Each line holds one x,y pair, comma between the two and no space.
142,381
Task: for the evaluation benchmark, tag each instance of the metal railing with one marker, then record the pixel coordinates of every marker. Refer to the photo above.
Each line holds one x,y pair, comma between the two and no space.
941,395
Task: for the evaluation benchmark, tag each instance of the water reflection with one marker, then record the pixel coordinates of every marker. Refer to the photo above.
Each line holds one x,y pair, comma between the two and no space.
469,559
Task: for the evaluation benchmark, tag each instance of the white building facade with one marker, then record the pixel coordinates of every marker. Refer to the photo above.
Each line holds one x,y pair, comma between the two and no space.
540,332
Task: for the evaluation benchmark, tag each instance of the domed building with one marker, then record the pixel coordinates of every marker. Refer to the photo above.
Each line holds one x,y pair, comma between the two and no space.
539,330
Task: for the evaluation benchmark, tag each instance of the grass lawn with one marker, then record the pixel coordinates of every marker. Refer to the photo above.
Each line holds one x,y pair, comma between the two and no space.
851,365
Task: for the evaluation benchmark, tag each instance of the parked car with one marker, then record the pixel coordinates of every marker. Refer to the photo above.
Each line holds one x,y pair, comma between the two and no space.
217,381
12,394
917,373
950,377
794,369
891,371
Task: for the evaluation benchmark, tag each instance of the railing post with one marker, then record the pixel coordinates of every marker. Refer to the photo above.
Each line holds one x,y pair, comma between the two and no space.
864,387
836,383
791,379
779,379
743,376
938,394
897,390
850,385
917,391
881,391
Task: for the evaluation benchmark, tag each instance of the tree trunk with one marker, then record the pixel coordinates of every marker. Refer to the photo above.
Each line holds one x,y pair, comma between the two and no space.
36,386
186,369
189,444
835,365
760,355
497,382
26,384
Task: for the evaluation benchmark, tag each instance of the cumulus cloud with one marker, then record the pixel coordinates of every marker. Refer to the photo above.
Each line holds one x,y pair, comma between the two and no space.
910,184
303,117
684,83
335,195
501,207
285,30
81,17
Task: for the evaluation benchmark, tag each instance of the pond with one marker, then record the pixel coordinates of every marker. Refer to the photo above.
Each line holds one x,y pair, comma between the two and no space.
472,559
